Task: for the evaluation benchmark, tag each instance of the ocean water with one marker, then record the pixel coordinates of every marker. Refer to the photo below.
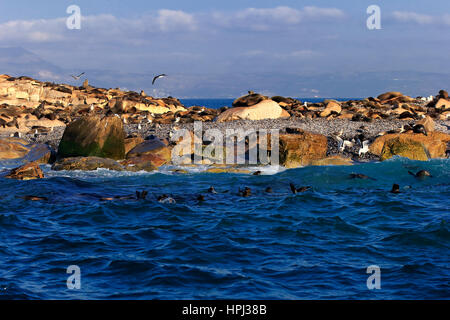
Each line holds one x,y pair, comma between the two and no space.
314,245
219,103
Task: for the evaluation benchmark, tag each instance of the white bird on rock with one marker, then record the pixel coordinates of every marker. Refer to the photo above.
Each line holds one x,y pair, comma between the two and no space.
365,148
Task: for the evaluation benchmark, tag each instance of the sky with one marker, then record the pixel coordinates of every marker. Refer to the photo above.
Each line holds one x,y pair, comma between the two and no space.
222,49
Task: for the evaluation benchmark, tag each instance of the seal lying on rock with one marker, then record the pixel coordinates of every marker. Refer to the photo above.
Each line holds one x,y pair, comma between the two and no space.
249,100
419,128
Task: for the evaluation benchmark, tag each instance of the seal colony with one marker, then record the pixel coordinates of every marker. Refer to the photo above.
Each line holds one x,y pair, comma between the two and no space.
85,128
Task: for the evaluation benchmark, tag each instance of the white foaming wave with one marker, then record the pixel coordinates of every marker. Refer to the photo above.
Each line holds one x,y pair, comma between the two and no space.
167,170
98,173
265,170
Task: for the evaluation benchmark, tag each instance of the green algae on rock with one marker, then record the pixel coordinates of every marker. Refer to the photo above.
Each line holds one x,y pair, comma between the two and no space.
405,148
93,136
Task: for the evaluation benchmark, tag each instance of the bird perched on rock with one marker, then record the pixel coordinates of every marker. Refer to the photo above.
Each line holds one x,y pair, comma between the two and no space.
364,149
298,190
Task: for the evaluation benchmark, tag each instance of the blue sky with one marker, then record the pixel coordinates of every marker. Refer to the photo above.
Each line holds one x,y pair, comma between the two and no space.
224,48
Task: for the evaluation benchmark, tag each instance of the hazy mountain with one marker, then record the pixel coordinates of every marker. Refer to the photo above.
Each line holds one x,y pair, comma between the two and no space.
17,61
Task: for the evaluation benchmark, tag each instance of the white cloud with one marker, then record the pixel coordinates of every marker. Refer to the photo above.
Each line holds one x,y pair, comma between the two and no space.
264,19
169,20
419,18
45,74
283,15
413,17
97,28
315,12
299,54
136,31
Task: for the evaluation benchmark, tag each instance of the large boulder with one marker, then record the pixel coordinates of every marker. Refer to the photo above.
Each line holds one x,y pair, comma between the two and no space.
266,109
434,143
132,142
150,146
93,136
13,148
29,171
428,124
332,106
86,164
148,162
302,149
39,153
405,148
152,153
443,104
333,161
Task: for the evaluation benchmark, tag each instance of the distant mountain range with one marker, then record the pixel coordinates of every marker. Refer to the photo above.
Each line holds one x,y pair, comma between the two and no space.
17,61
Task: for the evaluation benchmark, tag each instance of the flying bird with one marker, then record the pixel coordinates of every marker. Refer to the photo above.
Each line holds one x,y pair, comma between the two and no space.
157,77
78,76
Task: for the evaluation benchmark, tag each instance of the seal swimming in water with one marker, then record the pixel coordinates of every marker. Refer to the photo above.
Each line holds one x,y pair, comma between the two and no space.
200,198
359,176
166,199
421,174
395,188
141,195
33,198
269,190
298,190
247,192
257,173
212,190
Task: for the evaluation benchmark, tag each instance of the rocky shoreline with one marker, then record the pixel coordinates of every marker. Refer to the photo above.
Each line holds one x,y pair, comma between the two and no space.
319,126
79,126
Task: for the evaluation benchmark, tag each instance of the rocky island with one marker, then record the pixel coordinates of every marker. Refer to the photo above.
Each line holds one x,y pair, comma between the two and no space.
86,128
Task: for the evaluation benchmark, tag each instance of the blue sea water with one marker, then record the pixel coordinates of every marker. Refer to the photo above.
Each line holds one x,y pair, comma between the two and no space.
313,245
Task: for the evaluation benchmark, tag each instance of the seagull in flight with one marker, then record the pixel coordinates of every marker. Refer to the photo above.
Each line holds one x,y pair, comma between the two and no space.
157,77
78,76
